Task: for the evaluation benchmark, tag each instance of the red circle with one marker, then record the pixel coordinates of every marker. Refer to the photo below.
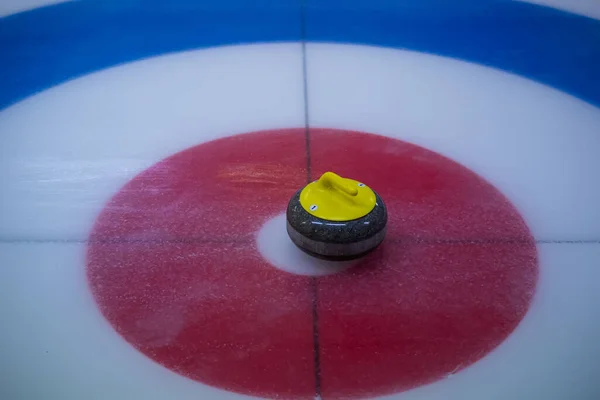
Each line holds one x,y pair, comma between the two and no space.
173,265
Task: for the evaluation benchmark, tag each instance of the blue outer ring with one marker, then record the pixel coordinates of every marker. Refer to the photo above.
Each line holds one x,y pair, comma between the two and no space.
50,45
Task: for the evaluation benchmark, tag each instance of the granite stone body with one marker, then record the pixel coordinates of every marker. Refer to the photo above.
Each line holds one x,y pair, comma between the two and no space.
336,240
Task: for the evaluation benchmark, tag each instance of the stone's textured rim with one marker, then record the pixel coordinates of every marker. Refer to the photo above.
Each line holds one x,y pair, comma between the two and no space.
336,238
335,251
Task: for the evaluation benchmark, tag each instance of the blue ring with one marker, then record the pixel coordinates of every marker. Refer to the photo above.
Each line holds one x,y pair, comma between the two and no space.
50,45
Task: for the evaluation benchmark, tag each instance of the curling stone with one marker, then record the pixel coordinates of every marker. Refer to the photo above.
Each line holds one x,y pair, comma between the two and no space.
336,218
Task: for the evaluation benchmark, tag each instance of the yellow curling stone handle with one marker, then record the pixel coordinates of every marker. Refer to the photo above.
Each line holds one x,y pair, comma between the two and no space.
334,198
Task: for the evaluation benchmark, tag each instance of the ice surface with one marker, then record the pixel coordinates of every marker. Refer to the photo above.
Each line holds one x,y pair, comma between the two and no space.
66,151
8,7
537,145
277,248
589,8
72,147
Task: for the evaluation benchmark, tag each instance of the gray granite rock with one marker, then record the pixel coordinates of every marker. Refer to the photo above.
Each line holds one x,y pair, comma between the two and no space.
336,239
